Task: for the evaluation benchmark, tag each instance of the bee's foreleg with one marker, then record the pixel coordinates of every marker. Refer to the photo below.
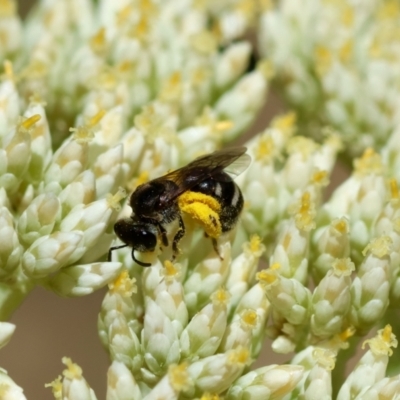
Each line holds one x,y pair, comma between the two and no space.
114,248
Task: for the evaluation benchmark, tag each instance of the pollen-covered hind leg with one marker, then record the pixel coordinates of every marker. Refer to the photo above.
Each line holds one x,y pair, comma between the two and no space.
179,235
215,246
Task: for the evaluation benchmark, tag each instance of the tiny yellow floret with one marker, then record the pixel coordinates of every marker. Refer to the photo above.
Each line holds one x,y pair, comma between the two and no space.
238,356
113,201
170,269
179,377
123,285
267,277
325,358
203,209
379,247
383,341
369,163
56,387
343,267
73,371
220,297
341,225
82,134
249,318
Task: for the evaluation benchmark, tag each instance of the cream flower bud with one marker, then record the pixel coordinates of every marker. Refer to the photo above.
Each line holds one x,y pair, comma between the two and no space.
159,339
287,296
41,142
203,334
108,171
68,162
16,156
243,269
232,63
6,331
81,191
124,345
121,384
10,249
273,381
50,253
39,218
331,300
242,102
9,100
80,280
134,144
216,373
372,366
74,384
206,278
9,390
386,388
318,384
370,289
330,242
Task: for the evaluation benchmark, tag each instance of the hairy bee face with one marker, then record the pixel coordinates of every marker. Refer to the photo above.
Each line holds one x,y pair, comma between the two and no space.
140,236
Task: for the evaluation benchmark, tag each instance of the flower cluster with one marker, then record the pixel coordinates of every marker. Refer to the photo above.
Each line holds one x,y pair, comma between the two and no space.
99,97
337,62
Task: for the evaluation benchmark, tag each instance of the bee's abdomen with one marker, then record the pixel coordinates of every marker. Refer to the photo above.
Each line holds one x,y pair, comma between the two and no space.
228,194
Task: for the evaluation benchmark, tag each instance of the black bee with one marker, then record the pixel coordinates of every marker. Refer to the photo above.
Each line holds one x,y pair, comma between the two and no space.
155,203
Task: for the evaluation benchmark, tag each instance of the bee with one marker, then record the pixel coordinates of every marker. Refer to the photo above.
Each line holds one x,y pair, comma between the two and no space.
156,204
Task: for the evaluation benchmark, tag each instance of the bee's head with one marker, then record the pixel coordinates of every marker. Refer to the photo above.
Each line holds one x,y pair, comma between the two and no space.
140,236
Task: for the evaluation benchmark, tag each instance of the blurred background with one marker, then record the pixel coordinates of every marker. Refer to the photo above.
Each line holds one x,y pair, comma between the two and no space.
50,327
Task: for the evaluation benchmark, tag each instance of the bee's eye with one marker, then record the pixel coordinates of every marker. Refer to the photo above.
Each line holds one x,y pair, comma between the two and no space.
142,237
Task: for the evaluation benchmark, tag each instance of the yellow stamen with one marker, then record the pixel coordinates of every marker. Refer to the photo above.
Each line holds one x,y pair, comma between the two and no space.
56,387
249,318
113,201
73,371
267,277
383,341
239,356
82,134
179,377
325,358
341,225
394,190
123,284
369,163
170,269
203,209
343,267
320,178
93,121
29,122
379,247
220,297
9,70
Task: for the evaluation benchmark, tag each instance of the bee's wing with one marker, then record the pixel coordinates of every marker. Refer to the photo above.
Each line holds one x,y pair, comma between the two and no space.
233,160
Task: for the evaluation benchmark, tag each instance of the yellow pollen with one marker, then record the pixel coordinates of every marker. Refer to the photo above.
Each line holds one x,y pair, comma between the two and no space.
255,243
341,225
29,122
239,356
222,126
285,123
179,377
383,341
123,284
203,209
220,296
304,213
370,162
209,396
343,267
267,277
7,8
325,358
347,333
266,68
265,148
56,387
98,41
93,121
73,371
170,269
379,247
204,42
9,70
113,201
249,318
394,190
320,178
82,134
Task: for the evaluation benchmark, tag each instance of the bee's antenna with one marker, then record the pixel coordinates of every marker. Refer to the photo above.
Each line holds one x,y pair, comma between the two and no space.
114,248
141,263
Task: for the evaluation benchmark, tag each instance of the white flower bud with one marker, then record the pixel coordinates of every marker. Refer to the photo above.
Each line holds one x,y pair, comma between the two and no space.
9,390
6,331
121,384
80,280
